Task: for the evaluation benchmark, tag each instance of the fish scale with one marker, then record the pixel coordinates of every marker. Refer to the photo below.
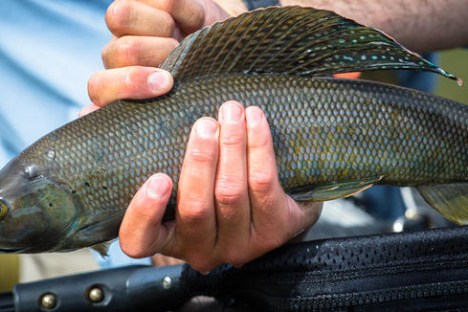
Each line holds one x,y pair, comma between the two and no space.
332,137
332,119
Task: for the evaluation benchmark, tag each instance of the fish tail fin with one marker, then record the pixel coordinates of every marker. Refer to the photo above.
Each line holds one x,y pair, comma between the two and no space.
451,200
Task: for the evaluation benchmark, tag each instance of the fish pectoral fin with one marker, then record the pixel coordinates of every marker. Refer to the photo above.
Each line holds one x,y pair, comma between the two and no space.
99,232
333,190
102,248
451,200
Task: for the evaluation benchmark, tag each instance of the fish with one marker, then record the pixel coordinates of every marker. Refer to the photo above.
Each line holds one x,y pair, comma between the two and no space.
332,137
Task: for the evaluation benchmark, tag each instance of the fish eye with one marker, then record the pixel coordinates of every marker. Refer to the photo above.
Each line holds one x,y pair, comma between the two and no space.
3,208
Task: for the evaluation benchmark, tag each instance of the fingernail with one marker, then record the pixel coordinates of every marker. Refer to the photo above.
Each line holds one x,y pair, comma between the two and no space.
231,112
254,116
158,81
206,128
157,187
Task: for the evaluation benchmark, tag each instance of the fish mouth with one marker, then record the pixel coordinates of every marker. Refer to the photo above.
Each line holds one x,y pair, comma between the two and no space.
12,250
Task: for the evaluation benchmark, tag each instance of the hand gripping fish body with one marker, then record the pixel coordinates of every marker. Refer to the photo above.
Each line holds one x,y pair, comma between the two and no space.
332,137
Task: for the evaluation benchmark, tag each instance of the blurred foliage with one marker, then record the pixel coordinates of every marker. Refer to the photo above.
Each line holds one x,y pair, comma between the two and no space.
455,62
9,271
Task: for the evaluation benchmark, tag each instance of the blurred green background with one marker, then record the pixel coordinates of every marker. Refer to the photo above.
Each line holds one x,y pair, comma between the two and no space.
455,62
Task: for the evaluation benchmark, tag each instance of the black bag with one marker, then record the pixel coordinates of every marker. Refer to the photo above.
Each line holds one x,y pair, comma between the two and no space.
420,271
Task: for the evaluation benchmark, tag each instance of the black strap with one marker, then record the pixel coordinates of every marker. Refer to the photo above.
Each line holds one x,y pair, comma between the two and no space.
255,4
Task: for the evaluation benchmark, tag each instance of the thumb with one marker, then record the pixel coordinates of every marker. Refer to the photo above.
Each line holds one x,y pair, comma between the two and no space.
142,232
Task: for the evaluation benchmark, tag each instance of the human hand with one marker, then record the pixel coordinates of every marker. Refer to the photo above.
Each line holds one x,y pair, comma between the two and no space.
144,33
231,207
266,229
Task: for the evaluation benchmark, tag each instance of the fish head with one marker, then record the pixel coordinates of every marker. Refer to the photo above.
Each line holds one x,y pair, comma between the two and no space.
35,209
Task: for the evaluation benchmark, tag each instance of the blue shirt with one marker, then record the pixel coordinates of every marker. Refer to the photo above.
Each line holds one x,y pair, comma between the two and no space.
48,51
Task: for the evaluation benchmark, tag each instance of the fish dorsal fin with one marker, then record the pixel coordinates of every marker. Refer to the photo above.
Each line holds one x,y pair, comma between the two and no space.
289,40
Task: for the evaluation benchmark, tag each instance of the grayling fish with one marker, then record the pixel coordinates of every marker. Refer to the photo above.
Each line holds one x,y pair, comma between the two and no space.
332,137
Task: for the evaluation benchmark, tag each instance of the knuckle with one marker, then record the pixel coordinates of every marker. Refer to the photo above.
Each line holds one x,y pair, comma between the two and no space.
262,182
228,192
234,138
258,141
132,75
196,19
195,210
109,16
122,51
131,85
167,25
106,54
94,89
127,50
206,155
118,16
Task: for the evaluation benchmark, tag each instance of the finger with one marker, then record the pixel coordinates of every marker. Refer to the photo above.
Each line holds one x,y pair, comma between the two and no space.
142,233
263,180
134,82
88,109
195,218
137,50
135,18
272,210
231,192
188,14
160,260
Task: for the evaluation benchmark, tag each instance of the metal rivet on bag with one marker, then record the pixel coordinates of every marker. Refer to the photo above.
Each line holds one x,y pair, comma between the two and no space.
48,301
96,294
167,282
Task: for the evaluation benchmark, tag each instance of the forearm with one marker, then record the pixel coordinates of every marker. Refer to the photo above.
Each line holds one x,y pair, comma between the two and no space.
421,25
